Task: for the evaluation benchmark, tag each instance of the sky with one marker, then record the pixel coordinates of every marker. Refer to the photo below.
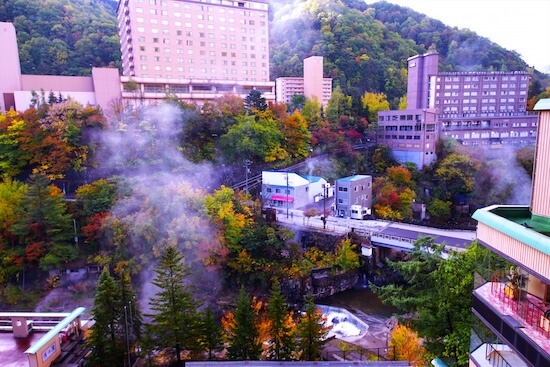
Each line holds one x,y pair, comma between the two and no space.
519,25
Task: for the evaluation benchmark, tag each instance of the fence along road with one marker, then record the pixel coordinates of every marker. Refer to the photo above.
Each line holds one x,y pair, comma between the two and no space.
382,233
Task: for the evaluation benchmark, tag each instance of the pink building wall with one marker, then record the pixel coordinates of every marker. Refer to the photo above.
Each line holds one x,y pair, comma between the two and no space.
10,69
107,86
313,77
171,39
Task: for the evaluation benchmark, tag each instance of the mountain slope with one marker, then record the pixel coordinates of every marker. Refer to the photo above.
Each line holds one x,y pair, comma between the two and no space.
64,37
365,46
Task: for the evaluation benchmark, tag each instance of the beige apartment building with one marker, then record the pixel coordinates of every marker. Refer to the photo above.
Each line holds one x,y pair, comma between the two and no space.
311,85
198,49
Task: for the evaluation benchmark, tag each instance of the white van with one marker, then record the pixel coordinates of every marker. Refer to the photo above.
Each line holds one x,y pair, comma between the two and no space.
359,212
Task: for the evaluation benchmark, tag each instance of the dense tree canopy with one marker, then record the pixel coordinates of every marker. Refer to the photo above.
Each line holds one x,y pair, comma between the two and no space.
60,37
439,291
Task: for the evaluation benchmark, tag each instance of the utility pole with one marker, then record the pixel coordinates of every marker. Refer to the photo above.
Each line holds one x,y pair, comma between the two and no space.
247,163
324,217
75,235
287,194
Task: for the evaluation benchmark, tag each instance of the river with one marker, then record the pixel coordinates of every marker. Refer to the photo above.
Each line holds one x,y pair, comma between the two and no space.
366,306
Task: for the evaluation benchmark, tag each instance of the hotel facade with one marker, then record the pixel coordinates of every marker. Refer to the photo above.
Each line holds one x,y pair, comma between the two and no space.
512,308
475,108
311,85
197,50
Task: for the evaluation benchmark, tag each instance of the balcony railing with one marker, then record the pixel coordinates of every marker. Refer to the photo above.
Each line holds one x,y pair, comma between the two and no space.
506,317
495,356
529,308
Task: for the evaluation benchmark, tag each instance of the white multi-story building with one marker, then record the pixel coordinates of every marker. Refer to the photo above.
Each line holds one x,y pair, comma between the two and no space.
311,85
198,50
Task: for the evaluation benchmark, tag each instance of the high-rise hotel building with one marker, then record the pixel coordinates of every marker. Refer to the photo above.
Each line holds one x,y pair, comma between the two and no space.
311,85
476,108
197,49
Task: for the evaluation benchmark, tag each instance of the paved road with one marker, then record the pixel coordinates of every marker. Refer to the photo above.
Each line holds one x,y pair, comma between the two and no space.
390,234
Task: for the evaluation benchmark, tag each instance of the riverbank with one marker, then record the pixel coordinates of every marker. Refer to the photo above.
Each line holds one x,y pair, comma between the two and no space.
373,343
366,306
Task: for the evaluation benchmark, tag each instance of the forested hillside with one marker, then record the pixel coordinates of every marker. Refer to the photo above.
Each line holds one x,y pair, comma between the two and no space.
365,46
64,37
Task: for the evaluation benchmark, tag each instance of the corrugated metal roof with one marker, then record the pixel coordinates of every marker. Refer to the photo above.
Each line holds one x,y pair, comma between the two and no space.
543,104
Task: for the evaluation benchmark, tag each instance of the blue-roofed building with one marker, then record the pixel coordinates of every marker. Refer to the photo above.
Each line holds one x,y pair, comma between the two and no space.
353,197
513,307
282,188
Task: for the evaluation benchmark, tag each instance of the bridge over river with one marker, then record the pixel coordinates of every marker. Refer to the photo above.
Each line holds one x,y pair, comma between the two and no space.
382,233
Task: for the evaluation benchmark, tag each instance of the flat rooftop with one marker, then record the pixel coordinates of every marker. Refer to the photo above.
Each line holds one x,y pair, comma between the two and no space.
517,222
12,349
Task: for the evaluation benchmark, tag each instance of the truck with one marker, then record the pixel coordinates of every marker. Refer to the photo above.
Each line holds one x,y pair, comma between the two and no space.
359,212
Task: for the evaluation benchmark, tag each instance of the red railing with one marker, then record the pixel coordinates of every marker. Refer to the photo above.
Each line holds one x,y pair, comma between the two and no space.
529,308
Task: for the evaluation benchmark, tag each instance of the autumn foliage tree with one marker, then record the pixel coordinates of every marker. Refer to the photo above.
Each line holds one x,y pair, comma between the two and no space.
394,194
375,102
406,345
44,226
297,136
242,329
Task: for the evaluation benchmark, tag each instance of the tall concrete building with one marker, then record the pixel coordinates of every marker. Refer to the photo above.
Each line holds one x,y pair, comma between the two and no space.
421,69
475,108
513,307
198,50
410,134
311,85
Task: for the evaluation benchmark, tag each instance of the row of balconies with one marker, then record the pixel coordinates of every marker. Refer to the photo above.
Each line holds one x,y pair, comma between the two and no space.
519,318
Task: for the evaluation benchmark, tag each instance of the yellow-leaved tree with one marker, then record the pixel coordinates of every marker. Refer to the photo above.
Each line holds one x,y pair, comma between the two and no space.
405,344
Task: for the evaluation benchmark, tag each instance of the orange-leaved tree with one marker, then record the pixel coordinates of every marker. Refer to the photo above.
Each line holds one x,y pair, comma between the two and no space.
405,344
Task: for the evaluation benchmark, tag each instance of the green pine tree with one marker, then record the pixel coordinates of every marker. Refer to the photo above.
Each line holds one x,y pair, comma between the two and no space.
105,341
312,333
281,326
212,336
439,292
176,321
244,341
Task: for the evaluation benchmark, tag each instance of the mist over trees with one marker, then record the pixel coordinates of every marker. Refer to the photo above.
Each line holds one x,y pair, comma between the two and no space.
157,172
365,47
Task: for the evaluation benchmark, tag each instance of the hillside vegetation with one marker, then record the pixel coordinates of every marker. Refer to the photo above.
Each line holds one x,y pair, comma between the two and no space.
64,37
366,46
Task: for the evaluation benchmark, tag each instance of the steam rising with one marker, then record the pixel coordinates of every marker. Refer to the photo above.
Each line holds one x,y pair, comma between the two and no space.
160,199
507,174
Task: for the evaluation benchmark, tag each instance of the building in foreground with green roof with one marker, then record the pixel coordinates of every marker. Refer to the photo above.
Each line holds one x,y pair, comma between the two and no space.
514,307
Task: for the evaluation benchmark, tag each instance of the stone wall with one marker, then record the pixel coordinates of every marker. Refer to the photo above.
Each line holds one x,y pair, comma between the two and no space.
322,283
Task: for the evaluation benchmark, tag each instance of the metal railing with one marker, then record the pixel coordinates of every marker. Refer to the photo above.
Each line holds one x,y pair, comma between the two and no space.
526,306
495,357
356,353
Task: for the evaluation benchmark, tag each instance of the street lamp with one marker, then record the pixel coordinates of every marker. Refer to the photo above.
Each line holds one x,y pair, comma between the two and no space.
324,217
